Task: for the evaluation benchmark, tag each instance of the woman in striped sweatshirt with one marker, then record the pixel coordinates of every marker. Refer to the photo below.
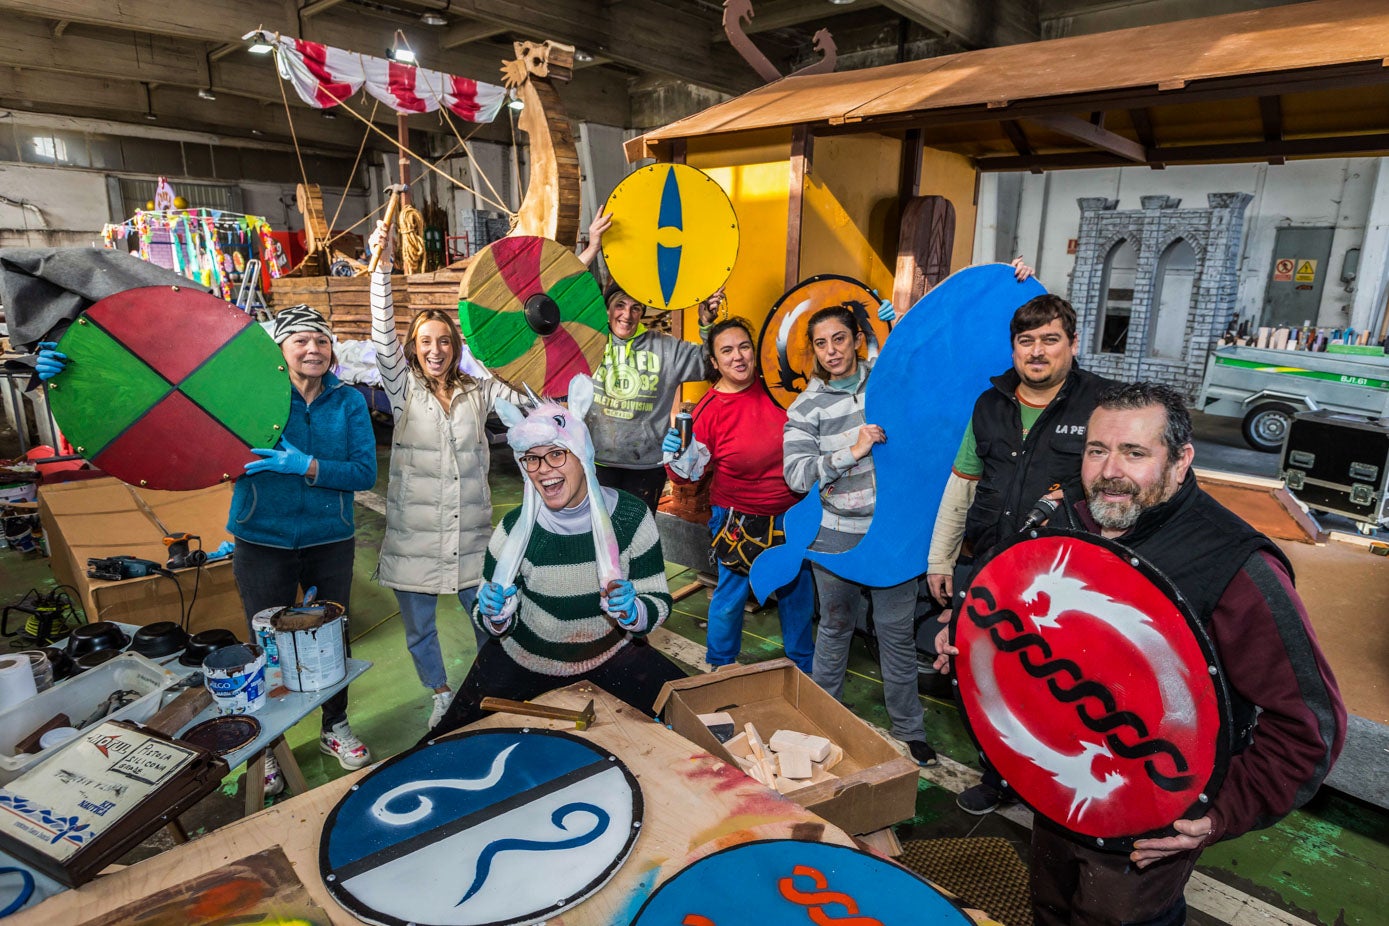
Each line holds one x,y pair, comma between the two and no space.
828,443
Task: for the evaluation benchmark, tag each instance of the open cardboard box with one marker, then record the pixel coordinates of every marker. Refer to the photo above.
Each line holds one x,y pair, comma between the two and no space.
99,517
874,785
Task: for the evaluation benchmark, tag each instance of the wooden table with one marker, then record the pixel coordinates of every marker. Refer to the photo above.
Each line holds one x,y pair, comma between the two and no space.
695,805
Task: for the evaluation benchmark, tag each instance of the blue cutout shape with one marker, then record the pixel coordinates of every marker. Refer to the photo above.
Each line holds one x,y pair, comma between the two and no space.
921,392
670,215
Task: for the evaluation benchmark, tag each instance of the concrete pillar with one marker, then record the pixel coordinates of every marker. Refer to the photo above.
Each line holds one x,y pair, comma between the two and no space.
986,220
1372,281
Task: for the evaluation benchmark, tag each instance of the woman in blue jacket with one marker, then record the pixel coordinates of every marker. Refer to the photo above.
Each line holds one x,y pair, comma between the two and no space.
291,513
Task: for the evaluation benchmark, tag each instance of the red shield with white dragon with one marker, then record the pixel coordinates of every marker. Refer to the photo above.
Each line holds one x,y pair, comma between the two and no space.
1089,686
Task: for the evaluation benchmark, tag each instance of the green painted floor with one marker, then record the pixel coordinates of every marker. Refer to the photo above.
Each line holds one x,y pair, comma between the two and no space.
1328,863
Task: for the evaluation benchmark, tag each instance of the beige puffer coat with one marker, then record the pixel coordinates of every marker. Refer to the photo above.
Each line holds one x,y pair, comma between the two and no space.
438,506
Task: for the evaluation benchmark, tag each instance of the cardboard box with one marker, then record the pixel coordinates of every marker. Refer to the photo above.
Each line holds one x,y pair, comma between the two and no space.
876,785
99,517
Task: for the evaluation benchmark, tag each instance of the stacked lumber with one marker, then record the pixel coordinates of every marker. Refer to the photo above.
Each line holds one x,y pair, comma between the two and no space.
437,289
344,301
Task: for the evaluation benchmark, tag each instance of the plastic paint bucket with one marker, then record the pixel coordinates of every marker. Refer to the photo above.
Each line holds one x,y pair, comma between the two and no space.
263,633
311,660
236,677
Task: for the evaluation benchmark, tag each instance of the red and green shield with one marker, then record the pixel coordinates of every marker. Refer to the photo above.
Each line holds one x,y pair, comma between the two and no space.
532,313
169,388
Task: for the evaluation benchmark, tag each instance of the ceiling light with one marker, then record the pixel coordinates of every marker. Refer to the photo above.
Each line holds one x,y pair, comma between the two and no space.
151,117
841,2
517,105
583,56
257,132
261,48
431,18
205,93
402,56
328,114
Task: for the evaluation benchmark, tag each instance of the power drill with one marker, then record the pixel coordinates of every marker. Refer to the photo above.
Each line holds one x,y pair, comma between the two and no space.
116,568
180,555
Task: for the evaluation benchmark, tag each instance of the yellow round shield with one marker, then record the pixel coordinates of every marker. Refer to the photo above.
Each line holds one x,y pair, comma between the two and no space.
674,236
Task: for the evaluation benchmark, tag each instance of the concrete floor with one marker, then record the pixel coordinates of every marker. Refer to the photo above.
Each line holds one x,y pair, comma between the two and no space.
1326,864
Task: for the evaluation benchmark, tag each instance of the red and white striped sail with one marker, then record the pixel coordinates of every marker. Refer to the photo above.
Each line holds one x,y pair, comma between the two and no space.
324,76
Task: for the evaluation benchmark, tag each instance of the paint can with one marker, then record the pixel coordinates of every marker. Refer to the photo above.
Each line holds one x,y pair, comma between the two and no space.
263,634
313,658
236,677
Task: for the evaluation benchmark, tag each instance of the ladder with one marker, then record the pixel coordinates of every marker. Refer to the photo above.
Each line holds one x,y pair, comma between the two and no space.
248,297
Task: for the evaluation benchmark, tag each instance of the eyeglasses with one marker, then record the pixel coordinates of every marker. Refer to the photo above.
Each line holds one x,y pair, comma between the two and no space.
553,458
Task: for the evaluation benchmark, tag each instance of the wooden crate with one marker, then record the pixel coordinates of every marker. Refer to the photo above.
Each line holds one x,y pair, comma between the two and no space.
344,301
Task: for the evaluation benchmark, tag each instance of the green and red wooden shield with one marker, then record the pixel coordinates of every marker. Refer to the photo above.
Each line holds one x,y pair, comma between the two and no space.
169,388
532,313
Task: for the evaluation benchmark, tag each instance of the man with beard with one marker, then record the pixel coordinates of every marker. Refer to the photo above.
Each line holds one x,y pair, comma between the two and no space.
1288,719
1023,441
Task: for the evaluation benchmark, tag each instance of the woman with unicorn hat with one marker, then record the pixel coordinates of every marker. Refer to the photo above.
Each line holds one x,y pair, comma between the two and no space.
574,577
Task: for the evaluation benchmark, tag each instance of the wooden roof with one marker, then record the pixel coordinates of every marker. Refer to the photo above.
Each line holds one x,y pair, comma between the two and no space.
1305,80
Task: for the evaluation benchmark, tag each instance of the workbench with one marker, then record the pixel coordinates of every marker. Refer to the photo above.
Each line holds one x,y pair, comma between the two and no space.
695,805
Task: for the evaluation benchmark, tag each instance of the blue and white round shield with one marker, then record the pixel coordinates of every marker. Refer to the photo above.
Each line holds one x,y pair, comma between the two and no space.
787,881
494,827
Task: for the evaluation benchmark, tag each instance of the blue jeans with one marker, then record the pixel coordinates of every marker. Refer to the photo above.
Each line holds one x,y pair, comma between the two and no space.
795,604
417,610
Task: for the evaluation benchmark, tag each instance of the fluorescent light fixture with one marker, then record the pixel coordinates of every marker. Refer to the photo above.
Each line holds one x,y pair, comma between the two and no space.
257,132
328,114
260,48
517,105
205,93
841,2
431,18
402,56
583,56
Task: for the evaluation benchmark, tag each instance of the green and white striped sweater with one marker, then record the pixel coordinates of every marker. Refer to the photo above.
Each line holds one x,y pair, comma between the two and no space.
560,628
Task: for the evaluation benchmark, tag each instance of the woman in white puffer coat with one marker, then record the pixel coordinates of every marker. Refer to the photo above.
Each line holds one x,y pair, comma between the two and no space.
438,505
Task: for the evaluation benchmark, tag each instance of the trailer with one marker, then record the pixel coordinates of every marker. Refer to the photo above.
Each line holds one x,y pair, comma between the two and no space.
1266,388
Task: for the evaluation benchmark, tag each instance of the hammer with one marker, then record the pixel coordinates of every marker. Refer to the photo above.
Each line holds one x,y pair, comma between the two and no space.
582,719
395,189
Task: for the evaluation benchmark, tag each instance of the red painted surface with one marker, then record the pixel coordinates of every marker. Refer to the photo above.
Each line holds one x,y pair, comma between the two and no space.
177,446
563,361
518,262
173,331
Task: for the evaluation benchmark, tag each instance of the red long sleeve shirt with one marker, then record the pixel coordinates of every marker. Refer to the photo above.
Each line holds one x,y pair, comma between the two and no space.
743,433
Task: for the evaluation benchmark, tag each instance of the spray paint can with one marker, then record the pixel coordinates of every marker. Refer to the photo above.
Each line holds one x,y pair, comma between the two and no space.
684,424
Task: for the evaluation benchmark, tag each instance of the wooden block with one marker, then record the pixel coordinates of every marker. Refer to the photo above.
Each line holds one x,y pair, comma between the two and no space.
795,764
765,765
883,841
175,715
817,747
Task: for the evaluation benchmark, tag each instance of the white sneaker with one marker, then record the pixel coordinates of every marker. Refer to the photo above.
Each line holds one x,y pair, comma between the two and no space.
351,752
442,700
274,778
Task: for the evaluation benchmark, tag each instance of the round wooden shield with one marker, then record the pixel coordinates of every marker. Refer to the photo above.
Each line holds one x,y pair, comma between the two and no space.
783,348
1091,688
498,826
169,388
780,881
532,313
674,236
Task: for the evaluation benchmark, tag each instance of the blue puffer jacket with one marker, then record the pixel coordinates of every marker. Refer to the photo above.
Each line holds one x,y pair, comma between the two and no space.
278,510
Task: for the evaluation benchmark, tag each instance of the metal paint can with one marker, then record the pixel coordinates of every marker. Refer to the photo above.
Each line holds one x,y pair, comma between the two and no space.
236,677
311,660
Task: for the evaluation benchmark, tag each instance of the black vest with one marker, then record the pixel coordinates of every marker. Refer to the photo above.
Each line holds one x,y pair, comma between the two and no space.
1017,472
1199,545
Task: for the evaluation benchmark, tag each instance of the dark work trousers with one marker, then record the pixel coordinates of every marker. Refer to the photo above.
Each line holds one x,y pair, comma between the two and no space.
645,484
634,674
271,577
1074,885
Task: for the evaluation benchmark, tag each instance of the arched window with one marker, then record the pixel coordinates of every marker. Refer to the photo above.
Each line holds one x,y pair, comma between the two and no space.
1116,299
1171,306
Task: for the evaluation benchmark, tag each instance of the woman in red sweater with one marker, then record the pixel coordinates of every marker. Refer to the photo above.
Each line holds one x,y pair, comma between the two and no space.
740,426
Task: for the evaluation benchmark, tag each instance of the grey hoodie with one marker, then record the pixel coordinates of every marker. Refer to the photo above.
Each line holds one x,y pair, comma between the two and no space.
633,390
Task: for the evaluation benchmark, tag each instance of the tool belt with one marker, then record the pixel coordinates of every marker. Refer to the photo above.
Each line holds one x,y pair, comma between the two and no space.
742,537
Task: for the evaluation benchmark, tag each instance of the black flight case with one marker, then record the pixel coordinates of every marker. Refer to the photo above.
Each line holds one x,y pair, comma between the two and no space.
1339,463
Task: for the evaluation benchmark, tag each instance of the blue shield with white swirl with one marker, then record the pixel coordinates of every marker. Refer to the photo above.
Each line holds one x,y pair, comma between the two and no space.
491,827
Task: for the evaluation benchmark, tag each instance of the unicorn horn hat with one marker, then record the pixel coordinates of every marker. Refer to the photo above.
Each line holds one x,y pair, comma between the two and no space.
551,423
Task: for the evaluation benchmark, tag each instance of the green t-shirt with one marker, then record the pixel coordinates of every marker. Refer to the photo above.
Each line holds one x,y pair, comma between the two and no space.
967,462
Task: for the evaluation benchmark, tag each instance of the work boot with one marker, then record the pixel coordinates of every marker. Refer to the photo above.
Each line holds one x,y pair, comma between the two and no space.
274,778
442,700
984,798
350,752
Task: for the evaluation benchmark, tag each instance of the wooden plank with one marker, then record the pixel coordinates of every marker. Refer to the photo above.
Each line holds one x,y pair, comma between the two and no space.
694,804
802,157
1093,135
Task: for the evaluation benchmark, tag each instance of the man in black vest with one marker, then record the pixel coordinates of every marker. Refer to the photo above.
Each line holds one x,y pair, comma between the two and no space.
1023,442
1288,718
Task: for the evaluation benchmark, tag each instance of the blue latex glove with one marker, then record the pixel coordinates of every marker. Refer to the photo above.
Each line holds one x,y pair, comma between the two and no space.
671,444
289,460
621,602
491,599
886,312
50,362
224,549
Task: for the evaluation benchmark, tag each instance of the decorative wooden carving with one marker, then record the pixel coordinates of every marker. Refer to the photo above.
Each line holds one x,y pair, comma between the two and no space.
551,205
737,12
